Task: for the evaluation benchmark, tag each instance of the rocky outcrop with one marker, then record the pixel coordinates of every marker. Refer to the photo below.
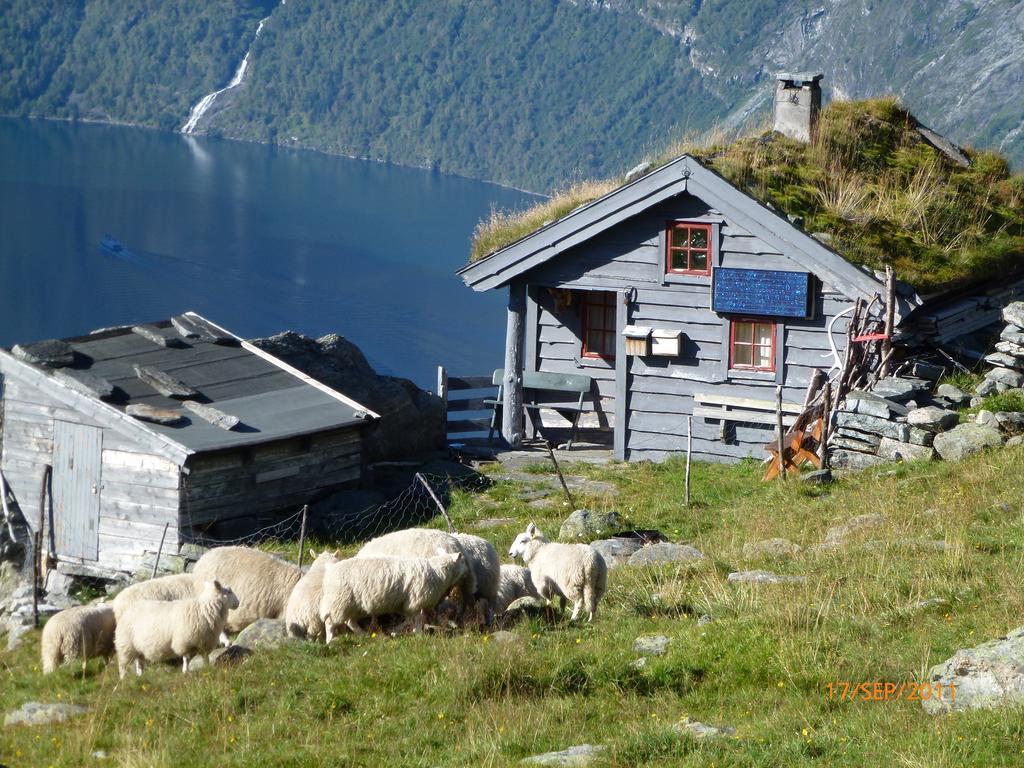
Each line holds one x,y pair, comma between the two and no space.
584,525
965,440
412,420
986,676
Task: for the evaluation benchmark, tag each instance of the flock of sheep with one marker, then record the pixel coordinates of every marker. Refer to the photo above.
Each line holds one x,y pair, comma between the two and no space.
407,573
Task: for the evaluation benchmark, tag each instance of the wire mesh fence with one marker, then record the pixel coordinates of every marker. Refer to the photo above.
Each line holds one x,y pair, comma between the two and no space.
327,524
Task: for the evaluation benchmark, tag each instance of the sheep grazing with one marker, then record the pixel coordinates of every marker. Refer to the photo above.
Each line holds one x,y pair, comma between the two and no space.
515,583
572,571
158,630
262,582
363,587
82,632
302,614
485,563
422,542
177,586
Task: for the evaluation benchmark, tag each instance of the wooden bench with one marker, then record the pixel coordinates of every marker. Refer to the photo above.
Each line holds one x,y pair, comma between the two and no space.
742,409
536,382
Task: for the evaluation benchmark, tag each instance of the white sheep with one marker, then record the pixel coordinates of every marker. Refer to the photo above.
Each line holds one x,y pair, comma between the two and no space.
176,586
485,563
515,583
84,632
158,630
261,581
572,571
363,587
422,542
302,613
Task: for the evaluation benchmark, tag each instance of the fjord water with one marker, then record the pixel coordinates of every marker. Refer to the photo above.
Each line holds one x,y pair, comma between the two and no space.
259,239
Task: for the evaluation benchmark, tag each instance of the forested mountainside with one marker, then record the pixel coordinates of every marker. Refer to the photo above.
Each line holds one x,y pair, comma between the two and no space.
526,92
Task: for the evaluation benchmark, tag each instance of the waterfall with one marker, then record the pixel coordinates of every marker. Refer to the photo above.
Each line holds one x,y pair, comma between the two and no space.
204,104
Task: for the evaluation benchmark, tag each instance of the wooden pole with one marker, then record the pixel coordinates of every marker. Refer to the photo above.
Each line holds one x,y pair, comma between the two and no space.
890,315
812,387
558,469
159,551
437,501
826,423
512,405
778,432
37,545
689,450
302,533
442,392
42,515
7,511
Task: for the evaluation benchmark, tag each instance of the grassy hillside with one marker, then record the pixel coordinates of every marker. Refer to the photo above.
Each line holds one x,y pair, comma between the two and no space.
762,664
868,180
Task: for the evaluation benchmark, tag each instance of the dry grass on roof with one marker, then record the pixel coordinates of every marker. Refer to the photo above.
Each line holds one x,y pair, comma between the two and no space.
880,192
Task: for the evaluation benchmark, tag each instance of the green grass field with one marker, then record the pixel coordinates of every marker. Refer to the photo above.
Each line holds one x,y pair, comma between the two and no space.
762,665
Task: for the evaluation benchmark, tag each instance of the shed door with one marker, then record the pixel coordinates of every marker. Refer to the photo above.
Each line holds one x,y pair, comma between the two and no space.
76,489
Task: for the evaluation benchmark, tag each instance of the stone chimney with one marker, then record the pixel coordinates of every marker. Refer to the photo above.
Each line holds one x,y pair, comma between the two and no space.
797,103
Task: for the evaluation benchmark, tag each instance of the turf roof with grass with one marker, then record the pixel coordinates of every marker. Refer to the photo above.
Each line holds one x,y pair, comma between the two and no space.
869,180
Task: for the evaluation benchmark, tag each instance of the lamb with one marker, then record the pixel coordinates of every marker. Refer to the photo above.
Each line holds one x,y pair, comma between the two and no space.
515,583
302,613
176,586
486,566
422,542
84,631
573,571
374,586
261,581
159,630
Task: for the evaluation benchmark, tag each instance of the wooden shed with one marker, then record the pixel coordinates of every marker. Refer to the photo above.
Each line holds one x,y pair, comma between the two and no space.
224,438
679,295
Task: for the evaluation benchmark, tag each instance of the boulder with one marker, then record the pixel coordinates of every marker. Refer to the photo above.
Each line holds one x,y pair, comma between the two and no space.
838,534
986,676
584,525
1012,334
1011,348
39,713
966,439
846,459
666,552
701,731
1006,376
1011,422
1013,313
895,388
872,424
770,548
906,452
617,550
263,633
985,387
870,404
919,436
986,418
651,645
952,393
852,440
584,754
933,419
817,477
17,627
763,577
1002,359
412,420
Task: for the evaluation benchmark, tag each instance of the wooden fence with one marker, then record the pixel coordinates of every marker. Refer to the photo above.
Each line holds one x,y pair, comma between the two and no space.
468,418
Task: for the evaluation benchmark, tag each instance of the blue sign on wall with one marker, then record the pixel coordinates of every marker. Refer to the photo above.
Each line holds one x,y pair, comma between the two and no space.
761,292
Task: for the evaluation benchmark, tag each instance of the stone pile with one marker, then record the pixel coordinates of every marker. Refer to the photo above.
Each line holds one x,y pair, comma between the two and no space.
1008,359
895,421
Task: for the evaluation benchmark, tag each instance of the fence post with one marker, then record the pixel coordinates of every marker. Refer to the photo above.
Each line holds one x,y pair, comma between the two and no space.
826,424
558,469
442,392
689,450
778,432
37,542
437,501
159,551
302,534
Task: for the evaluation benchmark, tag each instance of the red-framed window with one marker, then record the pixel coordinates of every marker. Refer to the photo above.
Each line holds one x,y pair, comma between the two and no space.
688,248
752,345
598,324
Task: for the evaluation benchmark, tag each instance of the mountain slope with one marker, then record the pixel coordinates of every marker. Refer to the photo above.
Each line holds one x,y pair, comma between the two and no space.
532,93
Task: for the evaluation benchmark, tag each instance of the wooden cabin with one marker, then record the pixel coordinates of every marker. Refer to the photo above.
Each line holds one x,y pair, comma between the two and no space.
679,295
176,423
